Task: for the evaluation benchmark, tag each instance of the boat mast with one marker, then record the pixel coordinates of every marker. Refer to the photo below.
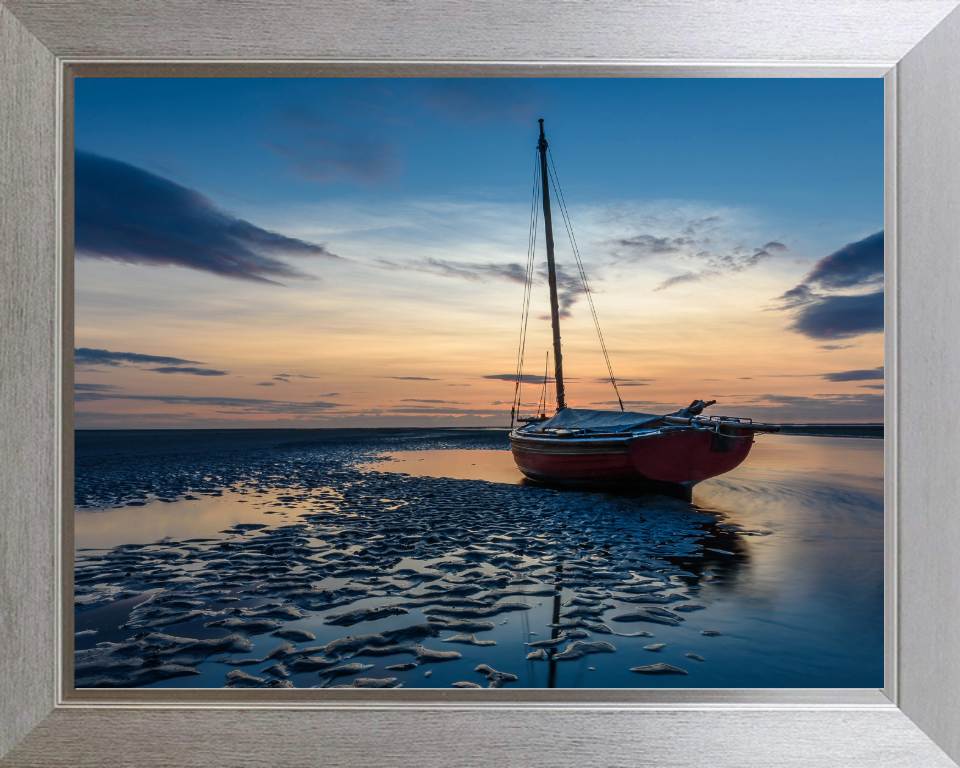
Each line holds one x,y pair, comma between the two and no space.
551,269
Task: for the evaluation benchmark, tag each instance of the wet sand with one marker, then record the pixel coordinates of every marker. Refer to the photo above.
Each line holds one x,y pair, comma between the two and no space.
387,558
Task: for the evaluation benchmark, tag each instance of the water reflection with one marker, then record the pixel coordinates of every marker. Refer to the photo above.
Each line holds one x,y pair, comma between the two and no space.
792,567
773,577
459,464
722,554
199,516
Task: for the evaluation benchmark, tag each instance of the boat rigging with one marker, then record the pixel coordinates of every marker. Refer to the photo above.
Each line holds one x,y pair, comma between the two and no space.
668,453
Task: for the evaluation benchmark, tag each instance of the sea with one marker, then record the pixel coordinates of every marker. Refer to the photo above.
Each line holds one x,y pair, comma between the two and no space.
421,558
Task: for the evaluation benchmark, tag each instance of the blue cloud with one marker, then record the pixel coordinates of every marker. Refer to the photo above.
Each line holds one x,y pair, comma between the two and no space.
528,378
88,356
232,404
94,387
84,357
190,370
862,375
860,407
127,214
840,317
857,265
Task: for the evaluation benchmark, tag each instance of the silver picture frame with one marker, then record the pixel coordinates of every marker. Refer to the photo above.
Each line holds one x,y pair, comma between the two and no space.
913,44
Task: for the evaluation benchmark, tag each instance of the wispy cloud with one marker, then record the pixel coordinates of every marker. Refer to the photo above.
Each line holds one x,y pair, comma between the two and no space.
469,100
325,151
95,387
705,242
84,358
860,407
569,285
92,417
360,145
626,382
653,404
861,375
424,409
737,259
463,270
88,356
528,378
189,370
232,404
569,289
409,378
127,214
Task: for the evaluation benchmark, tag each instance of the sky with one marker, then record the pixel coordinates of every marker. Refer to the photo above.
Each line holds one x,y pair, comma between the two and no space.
352,252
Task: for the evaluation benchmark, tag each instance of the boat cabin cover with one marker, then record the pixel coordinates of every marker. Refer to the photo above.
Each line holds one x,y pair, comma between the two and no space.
593,421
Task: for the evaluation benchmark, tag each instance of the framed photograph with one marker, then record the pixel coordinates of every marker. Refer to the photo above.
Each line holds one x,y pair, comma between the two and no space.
217,523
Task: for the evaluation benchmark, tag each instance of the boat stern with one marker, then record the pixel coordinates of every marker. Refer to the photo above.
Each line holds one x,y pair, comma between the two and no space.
690,455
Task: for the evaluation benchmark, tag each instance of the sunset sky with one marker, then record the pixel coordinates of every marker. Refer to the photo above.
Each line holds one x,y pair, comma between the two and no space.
351,252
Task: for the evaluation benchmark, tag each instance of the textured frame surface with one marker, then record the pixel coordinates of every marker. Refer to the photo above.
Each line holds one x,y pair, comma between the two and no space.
39,40
437,697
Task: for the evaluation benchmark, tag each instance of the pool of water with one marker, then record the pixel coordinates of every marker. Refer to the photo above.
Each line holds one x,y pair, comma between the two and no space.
458,463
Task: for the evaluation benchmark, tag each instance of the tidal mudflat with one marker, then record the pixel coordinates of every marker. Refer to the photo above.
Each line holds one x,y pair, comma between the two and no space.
416,558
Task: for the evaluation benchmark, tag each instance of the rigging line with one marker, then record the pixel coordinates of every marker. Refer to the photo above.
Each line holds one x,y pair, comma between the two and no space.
554,177
526,287
529,279
528,284
531,255
523,309
542,403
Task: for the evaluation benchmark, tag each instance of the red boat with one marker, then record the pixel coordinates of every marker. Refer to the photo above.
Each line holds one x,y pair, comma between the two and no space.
662,453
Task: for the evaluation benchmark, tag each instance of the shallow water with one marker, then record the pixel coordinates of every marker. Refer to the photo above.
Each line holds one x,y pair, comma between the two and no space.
782,558
195,517
457,463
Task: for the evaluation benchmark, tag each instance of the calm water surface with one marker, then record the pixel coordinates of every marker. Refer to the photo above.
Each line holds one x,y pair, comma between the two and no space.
781,561
802,598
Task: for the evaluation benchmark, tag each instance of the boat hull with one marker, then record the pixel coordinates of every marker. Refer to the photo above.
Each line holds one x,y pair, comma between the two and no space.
671,462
